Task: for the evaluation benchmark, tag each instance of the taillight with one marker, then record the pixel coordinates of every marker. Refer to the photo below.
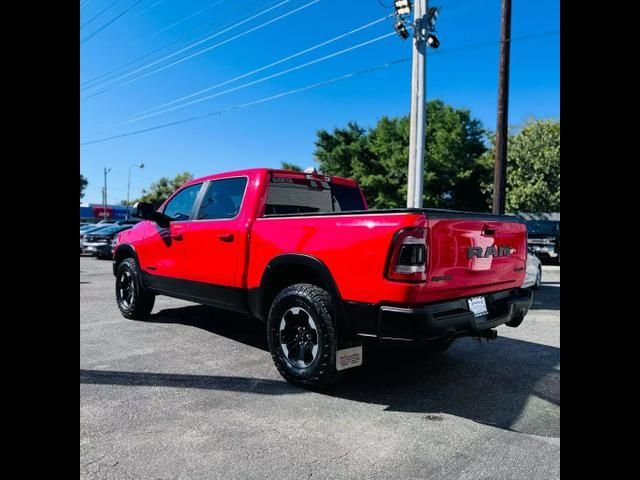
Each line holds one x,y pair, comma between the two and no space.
408,261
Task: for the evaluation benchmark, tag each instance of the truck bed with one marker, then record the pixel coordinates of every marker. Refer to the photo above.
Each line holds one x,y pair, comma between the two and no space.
430,212
354,246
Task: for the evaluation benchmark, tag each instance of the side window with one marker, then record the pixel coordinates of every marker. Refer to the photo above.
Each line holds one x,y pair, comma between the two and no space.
180,206
222,199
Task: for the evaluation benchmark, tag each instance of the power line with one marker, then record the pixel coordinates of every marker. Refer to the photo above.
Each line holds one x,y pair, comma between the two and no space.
255,102
83,85
84,4
145,10
97,15
309,87
242,34
219,44
265,67
90,36
263,79
197,43
182,20
187,47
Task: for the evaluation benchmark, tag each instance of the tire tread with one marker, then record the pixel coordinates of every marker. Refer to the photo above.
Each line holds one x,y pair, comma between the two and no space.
325,373
143,299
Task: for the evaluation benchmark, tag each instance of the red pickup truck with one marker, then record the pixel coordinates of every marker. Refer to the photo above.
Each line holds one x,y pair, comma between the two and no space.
301,252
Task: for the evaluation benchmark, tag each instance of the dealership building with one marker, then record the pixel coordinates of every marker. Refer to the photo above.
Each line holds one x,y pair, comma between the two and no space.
93,212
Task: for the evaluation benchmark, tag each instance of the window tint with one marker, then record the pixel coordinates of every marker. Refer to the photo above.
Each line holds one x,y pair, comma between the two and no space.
222,199
180,206
292,195
347,197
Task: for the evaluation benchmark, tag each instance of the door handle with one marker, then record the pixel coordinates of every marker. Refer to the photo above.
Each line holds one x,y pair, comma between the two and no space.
225,237
176,236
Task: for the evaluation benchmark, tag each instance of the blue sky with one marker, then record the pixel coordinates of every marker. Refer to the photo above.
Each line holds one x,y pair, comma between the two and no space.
284,129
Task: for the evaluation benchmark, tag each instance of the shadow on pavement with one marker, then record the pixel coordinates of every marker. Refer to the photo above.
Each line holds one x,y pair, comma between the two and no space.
490,382
235,326
207,382
547,297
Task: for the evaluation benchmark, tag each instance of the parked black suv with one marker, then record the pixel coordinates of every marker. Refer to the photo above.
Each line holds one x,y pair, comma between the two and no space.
544,238
98,243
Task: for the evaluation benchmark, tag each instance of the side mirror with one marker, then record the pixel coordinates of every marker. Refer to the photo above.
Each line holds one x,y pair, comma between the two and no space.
146,211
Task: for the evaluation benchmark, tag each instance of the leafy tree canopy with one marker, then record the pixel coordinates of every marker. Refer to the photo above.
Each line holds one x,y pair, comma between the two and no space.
533,168
291,166
83,185
160,190
456,172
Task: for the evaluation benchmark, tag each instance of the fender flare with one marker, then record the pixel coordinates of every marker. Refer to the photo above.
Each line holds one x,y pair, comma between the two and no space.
130,252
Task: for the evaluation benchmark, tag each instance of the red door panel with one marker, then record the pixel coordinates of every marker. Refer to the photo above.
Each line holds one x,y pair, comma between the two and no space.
213,251
217,237
163,250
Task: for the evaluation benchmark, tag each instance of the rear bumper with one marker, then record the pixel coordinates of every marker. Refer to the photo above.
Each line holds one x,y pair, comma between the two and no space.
438,320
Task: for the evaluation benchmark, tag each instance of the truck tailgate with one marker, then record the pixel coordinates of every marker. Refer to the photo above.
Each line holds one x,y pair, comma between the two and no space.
472,253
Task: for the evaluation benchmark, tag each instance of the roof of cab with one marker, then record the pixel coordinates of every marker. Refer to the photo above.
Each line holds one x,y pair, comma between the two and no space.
254,171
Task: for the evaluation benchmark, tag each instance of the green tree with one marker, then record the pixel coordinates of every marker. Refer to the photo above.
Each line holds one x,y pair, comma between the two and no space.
291,166
160,190
83,185
533,168
455,169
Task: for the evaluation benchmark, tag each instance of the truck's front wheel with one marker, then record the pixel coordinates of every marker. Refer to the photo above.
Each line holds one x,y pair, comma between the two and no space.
134,301
302,335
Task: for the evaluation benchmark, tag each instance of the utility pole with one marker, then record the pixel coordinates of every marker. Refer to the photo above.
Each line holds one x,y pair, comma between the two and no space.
423,37
104,216
502,126
418,75
416,147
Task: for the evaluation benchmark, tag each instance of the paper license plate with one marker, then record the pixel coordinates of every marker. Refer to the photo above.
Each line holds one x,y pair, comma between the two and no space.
478,306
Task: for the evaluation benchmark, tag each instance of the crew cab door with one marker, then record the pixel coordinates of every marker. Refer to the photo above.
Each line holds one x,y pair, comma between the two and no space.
216,238
162,253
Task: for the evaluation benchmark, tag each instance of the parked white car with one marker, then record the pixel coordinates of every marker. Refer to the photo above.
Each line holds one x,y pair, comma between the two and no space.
533,277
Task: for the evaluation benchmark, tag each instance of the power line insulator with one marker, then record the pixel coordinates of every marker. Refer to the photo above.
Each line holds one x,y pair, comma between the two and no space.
403,7
401,29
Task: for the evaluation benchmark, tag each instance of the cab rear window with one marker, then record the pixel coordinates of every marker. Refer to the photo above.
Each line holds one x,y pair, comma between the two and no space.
289,195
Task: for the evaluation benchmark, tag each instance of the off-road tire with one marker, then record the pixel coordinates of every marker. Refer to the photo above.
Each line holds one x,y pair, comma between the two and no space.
139,304
317,302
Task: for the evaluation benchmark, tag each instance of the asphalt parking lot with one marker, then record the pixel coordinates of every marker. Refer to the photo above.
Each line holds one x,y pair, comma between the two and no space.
192,394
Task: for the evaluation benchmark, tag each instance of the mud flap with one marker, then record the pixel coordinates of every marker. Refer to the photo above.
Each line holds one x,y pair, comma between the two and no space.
349,358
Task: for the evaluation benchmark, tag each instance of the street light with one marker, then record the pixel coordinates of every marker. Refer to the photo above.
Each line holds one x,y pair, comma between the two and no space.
104,212
139,165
